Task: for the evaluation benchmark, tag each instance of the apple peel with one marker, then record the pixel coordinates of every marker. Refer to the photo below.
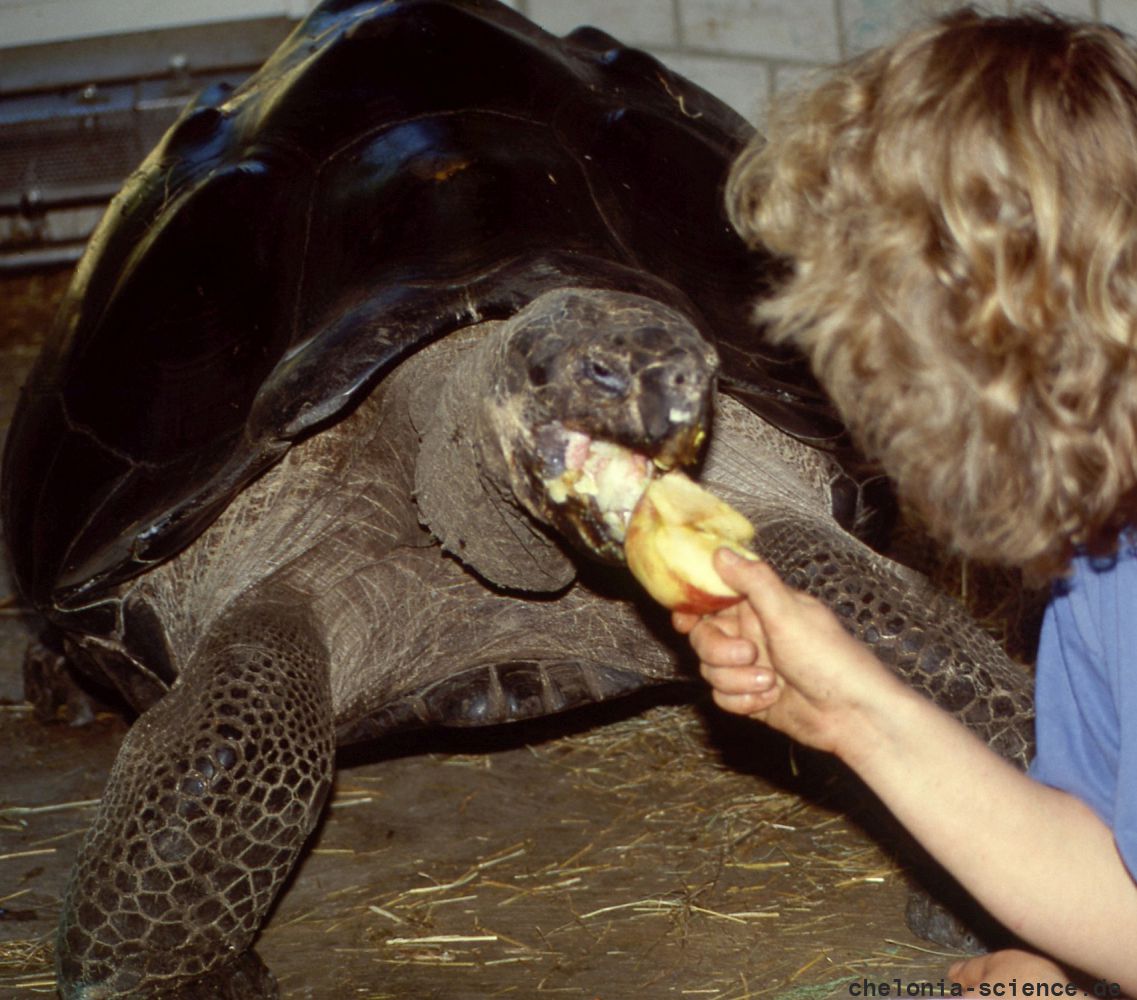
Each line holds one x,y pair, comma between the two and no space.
672,537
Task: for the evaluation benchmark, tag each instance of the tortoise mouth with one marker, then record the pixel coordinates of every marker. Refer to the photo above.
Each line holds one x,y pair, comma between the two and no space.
592,485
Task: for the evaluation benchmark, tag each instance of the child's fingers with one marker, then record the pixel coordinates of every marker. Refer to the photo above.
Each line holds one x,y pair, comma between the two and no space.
756,580
713,646
766,594
748,624
774,612
738,680
745,704
683,621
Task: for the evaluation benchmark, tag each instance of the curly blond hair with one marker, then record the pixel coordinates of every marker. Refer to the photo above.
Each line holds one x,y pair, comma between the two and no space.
960,213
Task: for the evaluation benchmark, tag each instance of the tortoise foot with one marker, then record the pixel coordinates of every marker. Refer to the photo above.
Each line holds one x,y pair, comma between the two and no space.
961,925
246,977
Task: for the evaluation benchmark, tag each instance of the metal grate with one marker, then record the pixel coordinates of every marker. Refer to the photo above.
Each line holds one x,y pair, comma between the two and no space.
63,156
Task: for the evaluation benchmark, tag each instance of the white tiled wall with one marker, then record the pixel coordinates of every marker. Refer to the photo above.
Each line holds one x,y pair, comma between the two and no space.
745,50
742,50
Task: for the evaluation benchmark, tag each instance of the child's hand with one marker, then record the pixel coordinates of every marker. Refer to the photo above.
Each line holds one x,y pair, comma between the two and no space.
782,657
1006,967
734,659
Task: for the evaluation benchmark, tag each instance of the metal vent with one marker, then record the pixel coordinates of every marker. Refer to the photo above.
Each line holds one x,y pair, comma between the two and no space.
62,157
77,117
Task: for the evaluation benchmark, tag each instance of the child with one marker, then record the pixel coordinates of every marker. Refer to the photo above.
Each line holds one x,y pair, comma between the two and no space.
960,210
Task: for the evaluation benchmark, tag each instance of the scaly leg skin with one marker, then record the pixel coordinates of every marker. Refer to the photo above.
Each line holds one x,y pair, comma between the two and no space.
212,796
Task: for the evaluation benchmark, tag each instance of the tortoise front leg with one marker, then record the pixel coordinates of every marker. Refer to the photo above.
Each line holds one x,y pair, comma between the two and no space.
921,633
214,791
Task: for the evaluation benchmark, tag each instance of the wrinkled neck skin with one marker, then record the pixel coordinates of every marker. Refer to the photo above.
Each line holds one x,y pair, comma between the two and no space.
469,493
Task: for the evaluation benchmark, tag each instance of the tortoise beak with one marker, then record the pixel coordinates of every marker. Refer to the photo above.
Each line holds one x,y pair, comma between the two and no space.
674,410
681,448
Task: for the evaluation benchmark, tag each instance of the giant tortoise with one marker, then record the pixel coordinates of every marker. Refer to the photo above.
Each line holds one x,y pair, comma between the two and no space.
282,473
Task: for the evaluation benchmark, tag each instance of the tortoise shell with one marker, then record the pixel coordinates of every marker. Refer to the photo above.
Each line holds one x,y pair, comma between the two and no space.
394,172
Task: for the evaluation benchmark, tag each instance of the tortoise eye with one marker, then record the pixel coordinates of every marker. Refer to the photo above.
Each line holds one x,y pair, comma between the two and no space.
608,379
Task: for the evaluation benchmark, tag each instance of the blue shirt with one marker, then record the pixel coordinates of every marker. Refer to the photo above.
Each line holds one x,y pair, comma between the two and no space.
1086,693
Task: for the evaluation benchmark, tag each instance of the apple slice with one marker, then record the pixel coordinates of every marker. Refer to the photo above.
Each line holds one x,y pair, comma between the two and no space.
672,537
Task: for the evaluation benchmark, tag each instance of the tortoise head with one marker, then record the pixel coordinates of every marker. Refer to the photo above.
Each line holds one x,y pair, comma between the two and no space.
596,391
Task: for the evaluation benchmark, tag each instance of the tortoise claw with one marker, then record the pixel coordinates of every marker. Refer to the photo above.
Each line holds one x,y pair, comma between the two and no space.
245,977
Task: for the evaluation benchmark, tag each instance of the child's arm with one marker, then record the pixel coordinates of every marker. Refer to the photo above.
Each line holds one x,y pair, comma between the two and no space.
1039,859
